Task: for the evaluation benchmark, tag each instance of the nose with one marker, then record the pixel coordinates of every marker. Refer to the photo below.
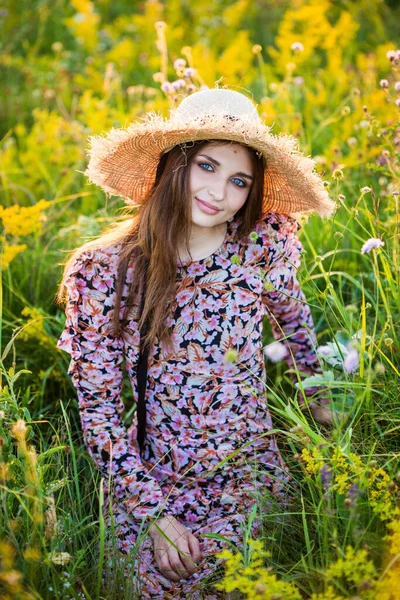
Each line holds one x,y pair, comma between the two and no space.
216,193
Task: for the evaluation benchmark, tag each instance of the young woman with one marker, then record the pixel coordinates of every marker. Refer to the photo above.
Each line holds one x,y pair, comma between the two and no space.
211,249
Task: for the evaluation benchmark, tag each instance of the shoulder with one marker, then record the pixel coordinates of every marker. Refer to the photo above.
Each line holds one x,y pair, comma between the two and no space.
274,237
273,233
92,269
88,261
277,226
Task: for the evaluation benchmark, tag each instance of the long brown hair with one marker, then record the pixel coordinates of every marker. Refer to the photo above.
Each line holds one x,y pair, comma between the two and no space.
151,238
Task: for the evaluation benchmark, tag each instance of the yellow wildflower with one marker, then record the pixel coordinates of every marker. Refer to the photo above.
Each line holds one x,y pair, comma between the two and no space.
35,329
338,459
4,472
394,536
23,220
55,373
388,588
84,24
357,464
314,461
9,253
380,497
342,483
31,554
329,594
254,580
12,579
354,566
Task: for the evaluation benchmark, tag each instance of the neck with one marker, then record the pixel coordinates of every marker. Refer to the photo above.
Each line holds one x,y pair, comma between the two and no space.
204,241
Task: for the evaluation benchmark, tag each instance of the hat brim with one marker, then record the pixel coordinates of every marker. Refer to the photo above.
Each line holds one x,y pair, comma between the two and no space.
124,161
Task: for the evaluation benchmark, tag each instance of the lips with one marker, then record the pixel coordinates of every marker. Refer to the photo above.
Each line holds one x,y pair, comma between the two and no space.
208,205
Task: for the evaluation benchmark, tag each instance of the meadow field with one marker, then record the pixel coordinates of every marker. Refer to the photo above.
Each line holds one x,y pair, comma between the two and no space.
324,71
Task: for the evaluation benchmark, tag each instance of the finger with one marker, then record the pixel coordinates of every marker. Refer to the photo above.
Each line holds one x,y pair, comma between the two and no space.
162,560
176,563
194,548
167,570
186,557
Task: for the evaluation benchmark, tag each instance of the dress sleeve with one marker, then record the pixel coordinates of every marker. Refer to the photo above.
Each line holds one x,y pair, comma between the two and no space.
285,303
96,372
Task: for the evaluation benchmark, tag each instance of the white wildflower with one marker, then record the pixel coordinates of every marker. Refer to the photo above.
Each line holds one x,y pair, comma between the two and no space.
189,72
179,63
166,87
297,47
275,351
370,244
324,350
351,362
60,558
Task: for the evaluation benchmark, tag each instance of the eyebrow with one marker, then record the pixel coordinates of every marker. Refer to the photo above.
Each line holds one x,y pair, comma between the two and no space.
218,164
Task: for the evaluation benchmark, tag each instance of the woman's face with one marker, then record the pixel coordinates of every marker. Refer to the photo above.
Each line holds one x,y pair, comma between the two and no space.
220,180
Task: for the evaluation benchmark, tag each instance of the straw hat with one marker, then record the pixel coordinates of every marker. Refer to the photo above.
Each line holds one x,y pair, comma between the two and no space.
124,161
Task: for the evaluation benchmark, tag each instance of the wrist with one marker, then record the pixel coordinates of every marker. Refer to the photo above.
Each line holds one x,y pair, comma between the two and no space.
153,528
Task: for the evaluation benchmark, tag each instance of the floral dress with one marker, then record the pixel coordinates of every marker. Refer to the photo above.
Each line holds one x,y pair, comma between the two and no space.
201,407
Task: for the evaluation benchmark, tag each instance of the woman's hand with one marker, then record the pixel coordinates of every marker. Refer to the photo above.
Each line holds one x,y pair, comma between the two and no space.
324,416
175,565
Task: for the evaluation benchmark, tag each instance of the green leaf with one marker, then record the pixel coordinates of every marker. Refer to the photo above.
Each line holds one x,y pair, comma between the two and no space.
326,379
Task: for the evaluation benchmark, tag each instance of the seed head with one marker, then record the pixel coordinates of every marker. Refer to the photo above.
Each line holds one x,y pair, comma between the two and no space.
297,47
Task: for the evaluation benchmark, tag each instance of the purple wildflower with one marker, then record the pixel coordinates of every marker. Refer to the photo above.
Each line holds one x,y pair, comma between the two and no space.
189,72
354,491
326,477
370,244
397,86
298,80
166,87
351,362
393,56
398,102
179,63
352,496
384,83
178,84
324,350
381,160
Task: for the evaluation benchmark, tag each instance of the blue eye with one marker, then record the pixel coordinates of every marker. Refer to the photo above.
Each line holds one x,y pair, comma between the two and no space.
241,183
204,164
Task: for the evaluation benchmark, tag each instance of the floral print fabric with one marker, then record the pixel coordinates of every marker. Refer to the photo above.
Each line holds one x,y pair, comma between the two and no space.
200,408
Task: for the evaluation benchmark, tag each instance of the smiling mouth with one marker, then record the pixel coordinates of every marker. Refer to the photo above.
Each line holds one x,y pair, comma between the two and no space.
208,205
